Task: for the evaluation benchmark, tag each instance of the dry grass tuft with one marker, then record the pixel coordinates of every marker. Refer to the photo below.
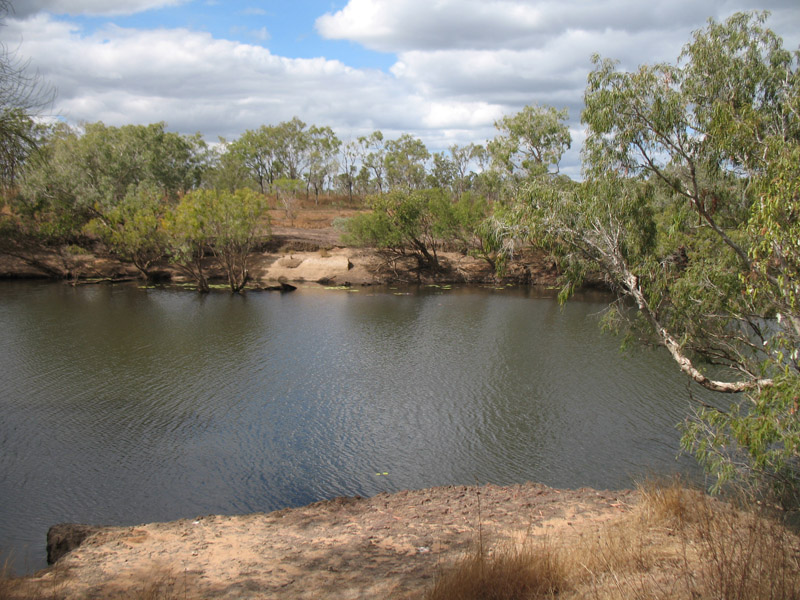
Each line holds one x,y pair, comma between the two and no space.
20,588
676,543
744,556
162,584
512,573
669,502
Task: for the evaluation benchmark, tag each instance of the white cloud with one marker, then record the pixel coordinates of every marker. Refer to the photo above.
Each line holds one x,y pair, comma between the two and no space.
261,34
198,83
403,25
460,64
90,7
253,11
509,53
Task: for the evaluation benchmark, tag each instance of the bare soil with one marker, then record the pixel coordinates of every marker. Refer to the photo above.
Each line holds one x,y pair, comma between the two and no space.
305,236
387,546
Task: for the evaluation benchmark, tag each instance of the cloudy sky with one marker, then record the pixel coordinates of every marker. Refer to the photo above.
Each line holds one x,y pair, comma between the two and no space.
442,70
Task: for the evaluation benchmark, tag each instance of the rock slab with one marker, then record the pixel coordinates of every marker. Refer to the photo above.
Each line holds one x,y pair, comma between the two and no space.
65,537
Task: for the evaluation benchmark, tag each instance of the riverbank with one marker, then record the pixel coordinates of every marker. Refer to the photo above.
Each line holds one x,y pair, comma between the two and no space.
387,546
662,541
303,250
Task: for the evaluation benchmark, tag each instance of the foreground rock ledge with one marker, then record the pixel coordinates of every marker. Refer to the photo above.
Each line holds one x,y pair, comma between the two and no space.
390,545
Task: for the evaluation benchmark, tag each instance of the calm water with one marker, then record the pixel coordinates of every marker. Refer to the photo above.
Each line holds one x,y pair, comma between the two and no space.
122,406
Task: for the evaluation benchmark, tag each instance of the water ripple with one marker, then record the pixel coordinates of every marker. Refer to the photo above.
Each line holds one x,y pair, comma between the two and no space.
141,406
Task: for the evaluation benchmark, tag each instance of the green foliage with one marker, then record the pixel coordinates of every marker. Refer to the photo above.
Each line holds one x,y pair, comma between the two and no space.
238,220
689,210
20,137
373,153
228,224
532,141
76,178
132,229
292,141
254,156
323,146
470,225
411,222
754,444
452,170
404,162
188,234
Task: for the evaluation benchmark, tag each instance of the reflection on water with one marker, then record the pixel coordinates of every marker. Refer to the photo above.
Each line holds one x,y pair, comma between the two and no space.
121,406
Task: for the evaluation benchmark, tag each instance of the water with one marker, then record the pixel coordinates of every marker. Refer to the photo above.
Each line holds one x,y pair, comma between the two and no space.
123,406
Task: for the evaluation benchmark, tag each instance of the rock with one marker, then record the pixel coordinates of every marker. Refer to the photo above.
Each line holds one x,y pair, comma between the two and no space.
310,268
289,262
281,287
65,537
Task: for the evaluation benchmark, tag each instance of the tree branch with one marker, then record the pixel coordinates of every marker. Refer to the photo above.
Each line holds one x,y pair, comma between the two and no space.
631,282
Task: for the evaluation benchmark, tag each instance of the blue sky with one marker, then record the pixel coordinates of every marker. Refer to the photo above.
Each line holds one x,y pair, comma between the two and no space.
441,70
285,28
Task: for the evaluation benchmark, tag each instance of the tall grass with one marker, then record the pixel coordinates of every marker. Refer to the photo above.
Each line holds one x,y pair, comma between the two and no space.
21,588
524,571
675,543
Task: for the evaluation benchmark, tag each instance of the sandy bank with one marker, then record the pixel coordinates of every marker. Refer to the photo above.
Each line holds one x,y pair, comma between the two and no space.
388,546
292,255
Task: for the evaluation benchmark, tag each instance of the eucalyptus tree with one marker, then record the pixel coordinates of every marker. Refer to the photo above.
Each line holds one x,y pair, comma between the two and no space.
323,147
405,162
227,168
531,142
79,176
463,158
227,224
188,235
258,151
452,170
349,153
405,222
23,94
442,172
21,135
237,222
132,229
292,142
689,209
373,154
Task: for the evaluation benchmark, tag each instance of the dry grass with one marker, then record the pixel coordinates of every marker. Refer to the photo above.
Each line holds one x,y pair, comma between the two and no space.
675,543
157,584
161,584
19,588
305,213
525,571
744,556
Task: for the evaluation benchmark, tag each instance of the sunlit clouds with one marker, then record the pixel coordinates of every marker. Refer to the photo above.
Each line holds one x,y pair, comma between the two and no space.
456,65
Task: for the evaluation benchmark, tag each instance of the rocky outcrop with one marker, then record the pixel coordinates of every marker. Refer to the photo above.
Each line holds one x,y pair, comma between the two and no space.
65,537
305,267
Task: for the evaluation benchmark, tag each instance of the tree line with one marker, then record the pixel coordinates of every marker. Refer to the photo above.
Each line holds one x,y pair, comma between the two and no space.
127,186
688,209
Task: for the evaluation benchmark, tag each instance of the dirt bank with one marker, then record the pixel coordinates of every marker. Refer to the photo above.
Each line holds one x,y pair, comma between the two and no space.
388,546
293,254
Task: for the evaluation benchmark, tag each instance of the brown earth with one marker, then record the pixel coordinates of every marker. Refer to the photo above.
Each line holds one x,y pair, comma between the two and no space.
304,247
387,546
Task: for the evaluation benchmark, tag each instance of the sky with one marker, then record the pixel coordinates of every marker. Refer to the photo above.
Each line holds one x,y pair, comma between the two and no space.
441,70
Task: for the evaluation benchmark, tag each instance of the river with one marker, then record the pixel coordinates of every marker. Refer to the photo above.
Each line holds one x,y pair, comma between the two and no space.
120,405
